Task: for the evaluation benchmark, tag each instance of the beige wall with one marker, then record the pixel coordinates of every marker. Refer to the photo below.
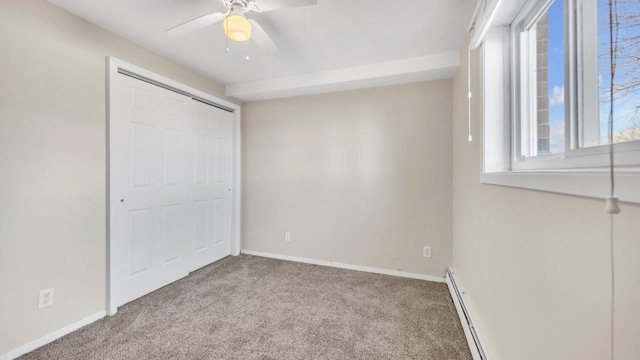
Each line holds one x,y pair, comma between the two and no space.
535,265
359,177
52,163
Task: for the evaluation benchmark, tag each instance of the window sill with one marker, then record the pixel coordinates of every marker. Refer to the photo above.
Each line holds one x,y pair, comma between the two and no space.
588,183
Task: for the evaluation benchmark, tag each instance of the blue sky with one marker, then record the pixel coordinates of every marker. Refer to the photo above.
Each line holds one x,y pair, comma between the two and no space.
556,76
625,107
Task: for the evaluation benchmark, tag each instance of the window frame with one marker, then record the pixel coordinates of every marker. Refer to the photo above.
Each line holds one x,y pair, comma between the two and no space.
577,171
577,90
522,96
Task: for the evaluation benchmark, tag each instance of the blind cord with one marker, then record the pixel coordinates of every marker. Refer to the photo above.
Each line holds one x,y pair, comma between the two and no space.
613,287
613,49
469,94
611,205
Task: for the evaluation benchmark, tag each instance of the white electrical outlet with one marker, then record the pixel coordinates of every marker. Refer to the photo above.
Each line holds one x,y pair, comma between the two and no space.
426,251
287,236
45,298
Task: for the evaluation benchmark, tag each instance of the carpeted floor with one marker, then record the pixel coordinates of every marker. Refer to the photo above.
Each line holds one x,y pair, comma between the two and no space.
249,307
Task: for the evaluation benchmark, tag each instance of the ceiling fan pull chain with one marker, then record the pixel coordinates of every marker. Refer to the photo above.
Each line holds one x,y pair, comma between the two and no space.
247,42
226,38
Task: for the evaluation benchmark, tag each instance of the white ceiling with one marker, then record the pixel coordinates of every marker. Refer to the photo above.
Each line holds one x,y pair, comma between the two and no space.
321,47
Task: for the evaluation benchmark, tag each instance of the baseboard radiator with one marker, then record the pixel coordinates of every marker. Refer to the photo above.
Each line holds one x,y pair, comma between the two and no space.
470,330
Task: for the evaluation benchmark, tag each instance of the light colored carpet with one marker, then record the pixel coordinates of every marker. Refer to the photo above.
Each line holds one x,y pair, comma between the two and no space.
248,307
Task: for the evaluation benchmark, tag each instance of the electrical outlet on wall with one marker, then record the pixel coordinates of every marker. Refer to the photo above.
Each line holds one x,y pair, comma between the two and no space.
426,251
45,298
287,236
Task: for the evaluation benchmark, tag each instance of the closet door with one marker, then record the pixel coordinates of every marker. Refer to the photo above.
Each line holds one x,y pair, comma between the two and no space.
170,184
211,190
151,175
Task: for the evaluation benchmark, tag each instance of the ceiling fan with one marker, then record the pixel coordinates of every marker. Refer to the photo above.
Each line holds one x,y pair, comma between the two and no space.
235,24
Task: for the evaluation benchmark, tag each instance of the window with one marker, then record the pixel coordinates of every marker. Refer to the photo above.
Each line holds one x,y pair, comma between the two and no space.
541,82
626,93
547,92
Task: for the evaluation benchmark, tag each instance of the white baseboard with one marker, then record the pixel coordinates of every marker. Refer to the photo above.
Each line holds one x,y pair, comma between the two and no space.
346,266
479,348
52,336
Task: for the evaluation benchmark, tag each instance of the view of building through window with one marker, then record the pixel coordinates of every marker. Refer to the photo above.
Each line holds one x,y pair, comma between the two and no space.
549,72
550,77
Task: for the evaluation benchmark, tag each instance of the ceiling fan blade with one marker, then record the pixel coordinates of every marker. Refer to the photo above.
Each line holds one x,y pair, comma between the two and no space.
196,24
262,39
268,5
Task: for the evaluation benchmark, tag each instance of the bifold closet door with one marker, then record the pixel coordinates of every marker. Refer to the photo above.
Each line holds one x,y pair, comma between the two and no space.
168,213
211,188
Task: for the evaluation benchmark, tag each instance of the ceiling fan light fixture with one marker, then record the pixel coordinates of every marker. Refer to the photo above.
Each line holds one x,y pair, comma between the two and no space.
237,28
